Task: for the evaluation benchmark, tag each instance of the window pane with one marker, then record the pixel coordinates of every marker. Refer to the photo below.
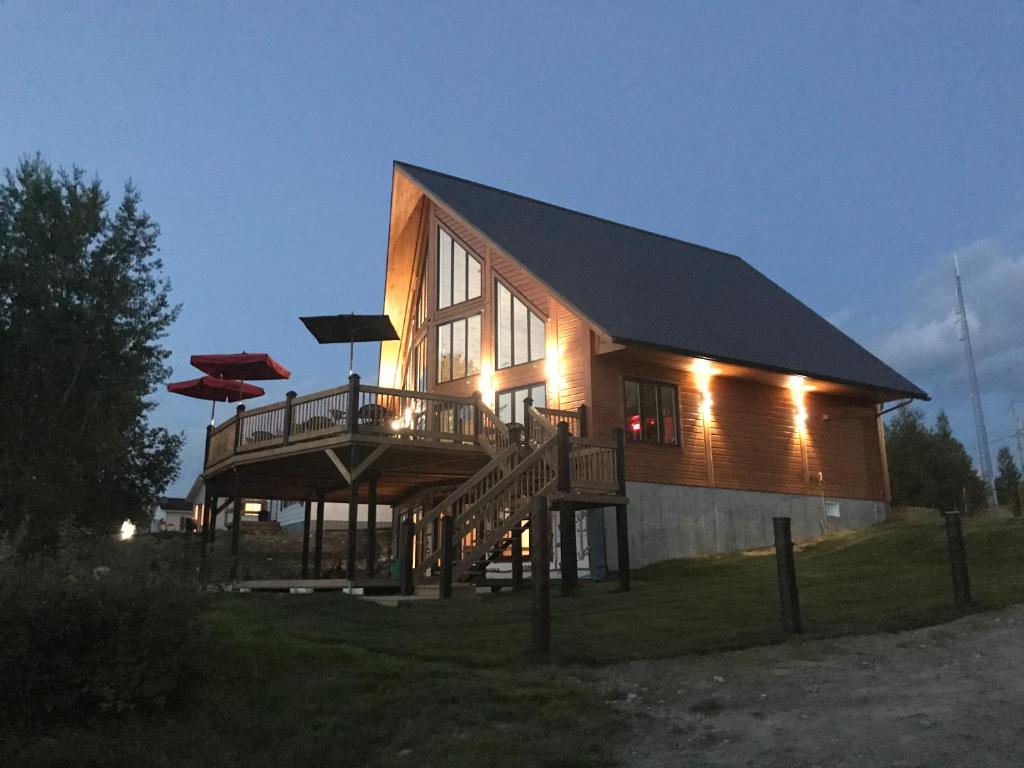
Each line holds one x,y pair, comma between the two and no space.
459,275
669,408
421,373
474,278
444,353
473,345
505,407
520,341
536,337
444,270
632,409
649,411
504,327
458,349
539,394
518,409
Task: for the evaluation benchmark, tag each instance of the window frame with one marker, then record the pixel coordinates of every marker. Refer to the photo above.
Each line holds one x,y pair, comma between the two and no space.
511,391
451,358
658,407
451,271
530,314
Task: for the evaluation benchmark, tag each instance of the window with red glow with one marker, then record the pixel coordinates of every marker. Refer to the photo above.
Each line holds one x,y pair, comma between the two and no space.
651,412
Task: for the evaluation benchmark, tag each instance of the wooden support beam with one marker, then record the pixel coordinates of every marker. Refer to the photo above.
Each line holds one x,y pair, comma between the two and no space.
540,563
786,566
567,546
236,529
353,531
307,512
406,542
447,554
318,541
371,529
517,559
339,465
621,521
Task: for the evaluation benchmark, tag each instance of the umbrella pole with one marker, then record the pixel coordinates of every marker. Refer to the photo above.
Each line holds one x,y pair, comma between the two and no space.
213,410
351,353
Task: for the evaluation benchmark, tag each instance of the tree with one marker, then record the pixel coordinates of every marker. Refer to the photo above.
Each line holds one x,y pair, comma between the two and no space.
83,307
1008,481
930,467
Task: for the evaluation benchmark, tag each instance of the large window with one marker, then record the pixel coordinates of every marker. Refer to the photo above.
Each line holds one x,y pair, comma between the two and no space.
520,331
458,272
421,302
458,349
652,412
510,402
416,368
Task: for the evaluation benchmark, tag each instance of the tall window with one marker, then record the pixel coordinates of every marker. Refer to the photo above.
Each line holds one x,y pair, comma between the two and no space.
510,402
416,368
458,272
520,332
421,302
652,412
458,349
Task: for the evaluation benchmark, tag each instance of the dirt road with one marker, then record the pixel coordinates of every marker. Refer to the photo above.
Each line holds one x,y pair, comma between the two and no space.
951,695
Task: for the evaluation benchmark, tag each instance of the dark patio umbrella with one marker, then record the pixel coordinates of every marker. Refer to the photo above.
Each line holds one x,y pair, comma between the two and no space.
338,329
216,390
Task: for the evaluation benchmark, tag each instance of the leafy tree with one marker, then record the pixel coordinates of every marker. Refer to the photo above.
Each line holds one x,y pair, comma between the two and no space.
83,307
930,467
1008,481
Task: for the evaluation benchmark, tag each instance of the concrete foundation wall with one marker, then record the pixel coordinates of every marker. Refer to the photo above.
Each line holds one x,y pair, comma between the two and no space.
669,521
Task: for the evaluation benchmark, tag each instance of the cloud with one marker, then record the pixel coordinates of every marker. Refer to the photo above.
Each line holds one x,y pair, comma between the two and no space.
925,345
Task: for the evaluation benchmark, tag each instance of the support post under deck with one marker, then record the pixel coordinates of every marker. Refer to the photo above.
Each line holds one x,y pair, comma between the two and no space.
371,529
318,541
306,515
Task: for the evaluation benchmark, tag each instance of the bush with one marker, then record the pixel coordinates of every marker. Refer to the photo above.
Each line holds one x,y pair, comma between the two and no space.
95,629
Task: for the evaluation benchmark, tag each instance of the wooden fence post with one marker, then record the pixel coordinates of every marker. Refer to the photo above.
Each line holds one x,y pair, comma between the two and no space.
582,416
353,404
621,519
407,533
958,561
447,554
306,518
540,561
239,413
786,566
289,396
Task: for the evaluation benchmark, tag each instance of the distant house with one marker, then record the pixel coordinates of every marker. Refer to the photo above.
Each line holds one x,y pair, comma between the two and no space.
733,401
173,514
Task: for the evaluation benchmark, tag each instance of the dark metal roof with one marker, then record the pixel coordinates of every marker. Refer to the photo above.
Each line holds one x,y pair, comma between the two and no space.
649,289
174,503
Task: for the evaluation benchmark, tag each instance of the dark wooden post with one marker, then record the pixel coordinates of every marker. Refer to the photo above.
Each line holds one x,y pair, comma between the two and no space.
353,404
406,541
786,565
289,396
515,434
371,528
958,560
318,539
582,411
540,562
204,534
447,554
566,513
517,558
527,427
478,400
236,528
206,449
239,412
621,519
353,532
306,515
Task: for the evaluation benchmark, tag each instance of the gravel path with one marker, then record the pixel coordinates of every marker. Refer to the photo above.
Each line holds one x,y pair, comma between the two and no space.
951,695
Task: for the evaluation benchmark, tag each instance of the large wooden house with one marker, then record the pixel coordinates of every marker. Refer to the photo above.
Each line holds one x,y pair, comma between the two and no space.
733,401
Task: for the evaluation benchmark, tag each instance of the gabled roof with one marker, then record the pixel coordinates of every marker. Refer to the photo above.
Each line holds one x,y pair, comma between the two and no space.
173,503
649,289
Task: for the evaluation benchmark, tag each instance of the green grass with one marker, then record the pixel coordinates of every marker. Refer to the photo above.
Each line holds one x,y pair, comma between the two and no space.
327,679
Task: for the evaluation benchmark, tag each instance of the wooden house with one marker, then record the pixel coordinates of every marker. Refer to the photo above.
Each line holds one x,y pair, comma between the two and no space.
694,389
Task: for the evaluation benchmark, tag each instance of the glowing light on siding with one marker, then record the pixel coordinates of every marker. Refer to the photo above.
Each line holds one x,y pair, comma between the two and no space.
798,388
486,385
703,371
553,373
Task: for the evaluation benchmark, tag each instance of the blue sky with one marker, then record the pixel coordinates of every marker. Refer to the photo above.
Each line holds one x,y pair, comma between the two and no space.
844,149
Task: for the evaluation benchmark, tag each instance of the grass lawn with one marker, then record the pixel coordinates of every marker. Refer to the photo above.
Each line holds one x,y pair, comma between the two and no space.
329,680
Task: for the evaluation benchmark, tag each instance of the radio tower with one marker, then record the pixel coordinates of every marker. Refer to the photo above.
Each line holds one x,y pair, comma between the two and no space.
984,457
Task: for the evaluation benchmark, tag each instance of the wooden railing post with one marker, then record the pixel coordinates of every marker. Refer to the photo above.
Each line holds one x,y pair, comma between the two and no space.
582,411
515,434
564,463
318,539
786,565
527,419
478,400
239,412
566,513
206,451
353,403
958,561
407,533
447,554
289,396
621,519
540,562
517,558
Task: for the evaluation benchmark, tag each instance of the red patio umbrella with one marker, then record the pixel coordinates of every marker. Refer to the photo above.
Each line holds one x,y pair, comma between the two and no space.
251,366
216,390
